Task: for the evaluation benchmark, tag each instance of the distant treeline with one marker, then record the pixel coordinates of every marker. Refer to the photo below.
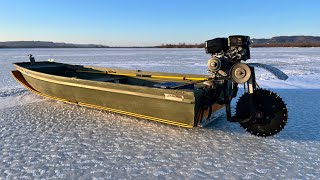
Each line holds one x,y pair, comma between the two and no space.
287,45
181,45
46,44
277,41
50,47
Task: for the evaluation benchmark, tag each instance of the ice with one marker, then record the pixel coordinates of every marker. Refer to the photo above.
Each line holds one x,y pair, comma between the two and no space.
41,138
16,96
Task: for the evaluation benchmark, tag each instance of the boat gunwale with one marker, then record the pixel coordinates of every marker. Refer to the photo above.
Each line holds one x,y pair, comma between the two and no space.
106,69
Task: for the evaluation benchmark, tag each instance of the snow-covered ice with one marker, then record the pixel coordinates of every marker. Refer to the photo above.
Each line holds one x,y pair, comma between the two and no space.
41,138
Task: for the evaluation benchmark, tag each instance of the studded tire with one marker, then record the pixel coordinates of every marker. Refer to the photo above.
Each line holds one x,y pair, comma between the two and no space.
270,115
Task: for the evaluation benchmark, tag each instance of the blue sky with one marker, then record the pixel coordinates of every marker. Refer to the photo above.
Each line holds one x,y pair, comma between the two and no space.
153,22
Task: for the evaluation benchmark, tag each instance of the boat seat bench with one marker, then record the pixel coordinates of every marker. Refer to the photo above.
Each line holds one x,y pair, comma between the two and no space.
108,79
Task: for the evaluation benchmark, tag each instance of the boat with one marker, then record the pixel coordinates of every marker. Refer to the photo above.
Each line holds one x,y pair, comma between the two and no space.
185,100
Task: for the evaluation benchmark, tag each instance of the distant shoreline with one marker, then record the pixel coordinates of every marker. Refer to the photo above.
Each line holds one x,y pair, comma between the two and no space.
277,41
252,45
165,47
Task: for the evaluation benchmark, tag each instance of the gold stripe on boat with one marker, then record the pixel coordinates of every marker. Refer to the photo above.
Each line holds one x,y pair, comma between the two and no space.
136,115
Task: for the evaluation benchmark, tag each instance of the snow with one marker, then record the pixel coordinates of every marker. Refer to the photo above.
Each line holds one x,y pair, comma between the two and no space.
41,138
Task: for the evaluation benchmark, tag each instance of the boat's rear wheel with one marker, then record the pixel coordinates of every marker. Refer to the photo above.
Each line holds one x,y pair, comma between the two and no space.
269,116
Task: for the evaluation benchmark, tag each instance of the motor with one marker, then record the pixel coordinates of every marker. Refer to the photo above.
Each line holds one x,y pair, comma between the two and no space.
226,57
259,111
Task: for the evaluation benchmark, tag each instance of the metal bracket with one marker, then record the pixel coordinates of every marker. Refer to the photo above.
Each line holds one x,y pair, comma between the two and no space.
227,99
251,88
252,81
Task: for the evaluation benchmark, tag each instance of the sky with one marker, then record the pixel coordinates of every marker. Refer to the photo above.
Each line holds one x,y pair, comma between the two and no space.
154,22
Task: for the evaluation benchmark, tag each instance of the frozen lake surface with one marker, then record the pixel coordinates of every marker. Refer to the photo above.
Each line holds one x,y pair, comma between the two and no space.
41,138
